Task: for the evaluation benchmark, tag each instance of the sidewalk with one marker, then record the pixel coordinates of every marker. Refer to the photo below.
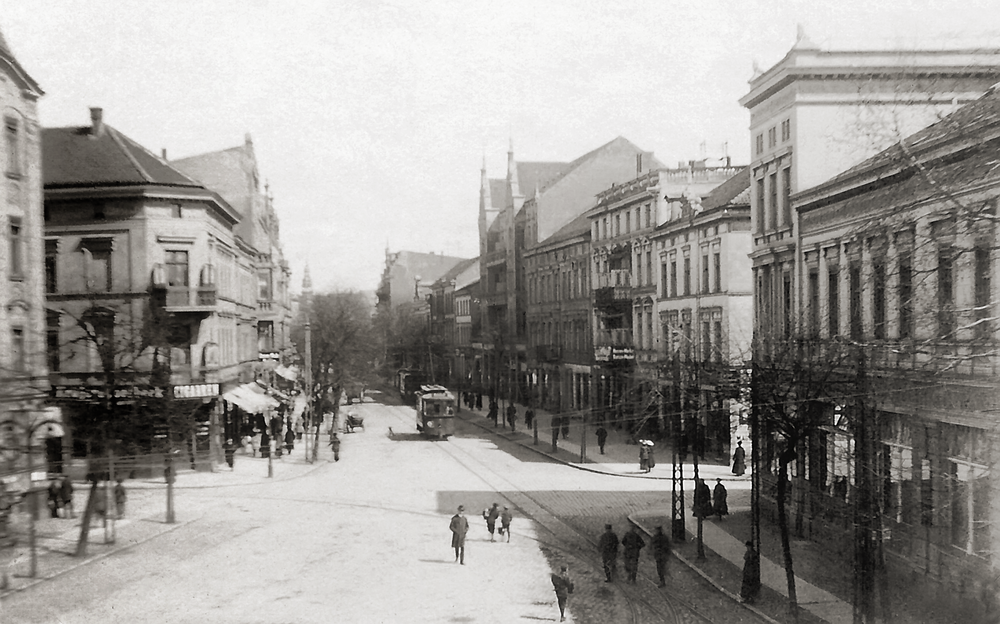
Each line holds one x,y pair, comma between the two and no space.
622,459
144,520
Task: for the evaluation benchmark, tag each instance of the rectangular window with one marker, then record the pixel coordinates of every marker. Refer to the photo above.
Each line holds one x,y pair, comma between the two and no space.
628,222
704,274
16,239
51,266
97,263
983,288
177,268
760,143
878,299
12,146
649,215
17,355
833,301
717,282
761,206
786,194
604,223
687,276
618,225
649,267
854,279
772,137
265,336
772,196
813,303
52,340
946,293
638,268
264,285
905,296
663,279
786,130
673,278
706,341
717,337
786,303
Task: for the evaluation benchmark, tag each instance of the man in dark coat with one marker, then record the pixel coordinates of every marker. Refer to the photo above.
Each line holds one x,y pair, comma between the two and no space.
529,417
702,500
335,446
719,495
602,437
66,496
493,412
633,543
511,416
564,587
505,519
459,527
739,460
490,516
661,553
479,401
54,498
609,552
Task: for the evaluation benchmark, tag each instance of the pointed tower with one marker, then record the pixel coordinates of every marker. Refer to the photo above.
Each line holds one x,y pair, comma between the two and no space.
307,290
485,207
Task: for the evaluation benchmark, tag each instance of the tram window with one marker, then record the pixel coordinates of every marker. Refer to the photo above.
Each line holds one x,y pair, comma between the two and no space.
437,408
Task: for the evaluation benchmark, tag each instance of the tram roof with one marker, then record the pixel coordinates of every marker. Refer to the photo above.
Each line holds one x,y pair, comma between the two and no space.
433,389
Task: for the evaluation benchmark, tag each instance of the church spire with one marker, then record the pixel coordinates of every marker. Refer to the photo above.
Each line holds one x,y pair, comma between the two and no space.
513,184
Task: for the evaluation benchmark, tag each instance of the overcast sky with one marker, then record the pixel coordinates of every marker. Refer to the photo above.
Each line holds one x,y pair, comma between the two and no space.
370,119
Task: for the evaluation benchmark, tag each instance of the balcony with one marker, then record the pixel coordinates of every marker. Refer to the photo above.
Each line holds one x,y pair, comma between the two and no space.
547,353
615,278
186,299
613,337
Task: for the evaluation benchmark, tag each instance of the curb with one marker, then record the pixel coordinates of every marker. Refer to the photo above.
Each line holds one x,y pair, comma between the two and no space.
95,558
632,520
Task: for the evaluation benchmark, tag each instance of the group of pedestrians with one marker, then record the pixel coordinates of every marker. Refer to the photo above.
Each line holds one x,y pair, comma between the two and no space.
460,527
708,503
631,546
493,514
61,498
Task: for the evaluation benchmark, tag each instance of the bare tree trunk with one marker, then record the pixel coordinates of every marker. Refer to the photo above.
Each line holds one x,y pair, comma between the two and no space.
88,512
786,546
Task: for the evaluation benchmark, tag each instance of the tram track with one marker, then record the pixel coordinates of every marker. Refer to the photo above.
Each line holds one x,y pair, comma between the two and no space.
642,609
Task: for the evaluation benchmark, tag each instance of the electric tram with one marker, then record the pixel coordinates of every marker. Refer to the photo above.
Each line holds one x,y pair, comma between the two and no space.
435,411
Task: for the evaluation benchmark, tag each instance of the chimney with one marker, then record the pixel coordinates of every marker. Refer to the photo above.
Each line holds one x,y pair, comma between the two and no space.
163,154
96,121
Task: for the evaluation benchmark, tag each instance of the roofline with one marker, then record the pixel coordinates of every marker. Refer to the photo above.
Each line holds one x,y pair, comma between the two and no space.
28,83
158,191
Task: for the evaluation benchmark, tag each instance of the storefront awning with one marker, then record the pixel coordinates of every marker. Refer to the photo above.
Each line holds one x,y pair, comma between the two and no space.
287,373
249,400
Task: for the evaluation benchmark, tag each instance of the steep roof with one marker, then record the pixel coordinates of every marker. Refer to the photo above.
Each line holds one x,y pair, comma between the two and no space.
7,56
734,191
225,171
617,142
574,228
530,175
458,268
75,156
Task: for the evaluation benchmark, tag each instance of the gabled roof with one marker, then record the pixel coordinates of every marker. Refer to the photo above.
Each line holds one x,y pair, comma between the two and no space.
22,76
732,192
576,227
74,157
458,268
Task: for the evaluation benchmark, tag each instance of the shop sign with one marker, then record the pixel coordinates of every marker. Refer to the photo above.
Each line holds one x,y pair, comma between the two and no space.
270,356
91,393
196,391
613,354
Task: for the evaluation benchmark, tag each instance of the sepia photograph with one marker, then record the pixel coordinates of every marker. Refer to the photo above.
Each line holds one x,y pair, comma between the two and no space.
399,311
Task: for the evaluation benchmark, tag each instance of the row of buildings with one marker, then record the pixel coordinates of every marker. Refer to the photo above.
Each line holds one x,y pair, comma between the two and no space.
128,278
853,262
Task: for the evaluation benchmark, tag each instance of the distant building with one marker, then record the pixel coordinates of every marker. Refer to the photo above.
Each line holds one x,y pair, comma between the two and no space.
408,275
450,303
533,202
23,370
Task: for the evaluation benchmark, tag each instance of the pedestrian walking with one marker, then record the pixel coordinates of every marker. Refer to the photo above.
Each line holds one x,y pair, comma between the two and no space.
702,500
739,460
643,457
459,527
479,401
651,458
564,587
120,497
555,432
719,496
289,440
661,553
66,496
751,575
54,498
633,544
493,412
490,516
230,452
505,518
602,438
529,417
609,552
511,416
335,446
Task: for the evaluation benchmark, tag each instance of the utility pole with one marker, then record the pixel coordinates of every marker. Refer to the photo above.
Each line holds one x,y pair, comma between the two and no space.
677,476
308,389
